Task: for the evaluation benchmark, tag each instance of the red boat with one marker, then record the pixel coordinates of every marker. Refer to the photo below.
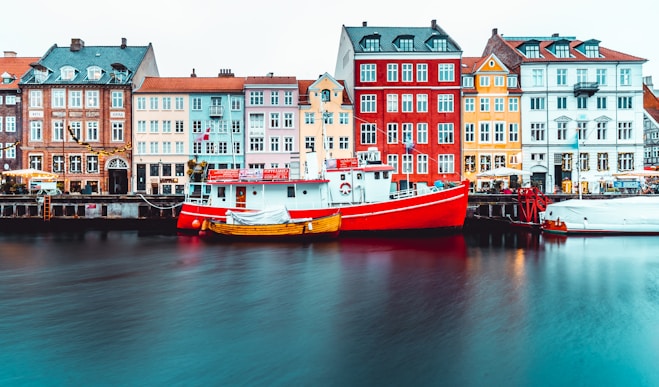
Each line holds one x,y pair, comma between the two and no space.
360,187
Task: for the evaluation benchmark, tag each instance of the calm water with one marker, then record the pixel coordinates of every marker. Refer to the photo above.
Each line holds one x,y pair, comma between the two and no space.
123,309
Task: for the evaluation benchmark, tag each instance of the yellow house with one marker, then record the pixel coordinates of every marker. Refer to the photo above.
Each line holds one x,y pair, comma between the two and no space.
326,123
491,115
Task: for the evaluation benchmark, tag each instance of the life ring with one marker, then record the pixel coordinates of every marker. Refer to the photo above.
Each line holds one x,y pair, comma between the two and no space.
345,188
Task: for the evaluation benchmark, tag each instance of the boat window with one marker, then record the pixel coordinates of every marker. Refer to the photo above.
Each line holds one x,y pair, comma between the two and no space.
385,175
343,176
359,176
291,192
221,192
377,175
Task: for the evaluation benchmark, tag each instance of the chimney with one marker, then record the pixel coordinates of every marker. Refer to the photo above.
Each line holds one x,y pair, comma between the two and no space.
554,35
10,54
433,24
495,31
193,75
364,24
225,73
77,44
123,43
270,75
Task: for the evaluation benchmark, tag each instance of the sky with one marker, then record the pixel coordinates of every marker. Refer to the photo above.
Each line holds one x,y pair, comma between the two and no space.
301,37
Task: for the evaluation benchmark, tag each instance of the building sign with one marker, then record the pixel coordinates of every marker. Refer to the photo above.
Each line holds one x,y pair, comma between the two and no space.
626,184
36,113
119,114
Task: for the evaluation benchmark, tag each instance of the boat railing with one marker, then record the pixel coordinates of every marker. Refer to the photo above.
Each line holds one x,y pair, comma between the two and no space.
197,193
406,193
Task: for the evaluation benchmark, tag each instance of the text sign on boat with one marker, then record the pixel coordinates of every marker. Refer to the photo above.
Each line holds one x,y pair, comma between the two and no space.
276,174
347,163
223,174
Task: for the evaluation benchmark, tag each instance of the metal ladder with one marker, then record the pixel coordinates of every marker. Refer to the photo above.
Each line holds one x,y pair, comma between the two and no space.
47,211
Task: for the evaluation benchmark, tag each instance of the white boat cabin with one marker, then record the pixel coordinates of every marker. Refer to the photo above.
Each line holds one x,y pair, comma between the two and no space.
363,179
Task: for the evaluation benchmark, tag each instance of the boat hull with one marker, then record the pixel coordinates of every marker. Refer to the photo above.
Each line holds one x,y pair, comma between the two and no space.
444,209
326,227
621,216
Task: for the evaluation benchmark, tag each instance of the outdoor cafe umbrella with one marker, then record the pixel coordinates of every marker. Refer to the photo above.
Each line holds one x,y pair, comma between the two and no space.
641,173
31,173
503,172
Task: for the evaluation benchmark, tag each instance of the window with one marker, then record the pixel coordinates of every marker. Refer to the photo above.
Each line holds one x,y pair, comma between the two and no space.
196,103
92,163
167,126
407,103
36,161
512,81
467,82
561,103
566,161
274,120
91,99
582,75
153,126
178,103
310,143
274,144
368,103
538,103
485,105
92,130
167,103
392,133
422,72
392,103
10,124
167,147
422,164
561,77
117,99
288,120
407,163
407,134
406,44
624,130
584,165
625,77
484,132
325,95
392,72
445,133
422,103
288,98
392,160
470,132
470,163
601,130
153,103
67,73
513,104
154,145
75,164
36,131
446,72
76,129
329,143
344,118
141,103
58,131
498,80
407,72
601,76
10,100
499,132
422,133
469,104
178,126
624,102
328,117
445,103
256,98
484,80
75,98
117,131
372,43
58,98
367,133
367,73
625,161
592,51
602,161
288,144
537,131
94,73
561,133
344,143
513,132
274,98
309,118
562,51
36,99
538,77
438,44
445,163
498,104
601,102
499,161
582,102
256,144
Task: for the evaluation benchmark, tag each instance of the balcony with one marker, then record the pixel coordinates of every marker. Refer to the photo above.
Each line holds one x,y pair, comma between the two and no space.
216,111
586,88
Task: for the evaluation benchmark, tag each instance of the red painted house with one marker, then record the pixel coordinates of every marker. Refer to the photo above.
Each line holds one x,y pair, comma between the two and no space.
405,84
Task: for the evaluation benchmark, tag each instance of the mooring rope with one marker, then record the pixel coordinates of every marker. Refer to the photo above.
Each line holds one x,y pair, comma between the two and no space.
158,207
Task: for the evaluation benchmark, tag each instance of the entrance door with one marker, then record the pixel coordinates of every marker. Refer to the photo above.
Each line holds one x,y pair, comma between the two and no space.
118,181
241,197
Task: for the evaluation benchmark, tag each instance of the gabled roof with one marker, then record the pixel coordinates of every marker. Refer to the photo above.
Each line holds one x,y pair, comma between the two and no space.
304,85
388,36
650,103
192,85
111,59
14,67
270,80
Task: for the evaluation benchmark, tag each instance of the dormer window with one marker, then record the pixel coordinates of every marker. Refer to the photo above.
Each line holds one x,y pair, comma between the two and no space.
7,78
94,73
67,73
562,50
437,43
468,81
405,43
325,95
40,76
592,51
532,51
371,43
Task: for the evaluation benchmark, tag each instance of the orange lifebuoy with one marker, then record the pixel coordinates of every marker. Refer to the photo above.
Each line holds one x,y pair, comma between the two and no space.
345,188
